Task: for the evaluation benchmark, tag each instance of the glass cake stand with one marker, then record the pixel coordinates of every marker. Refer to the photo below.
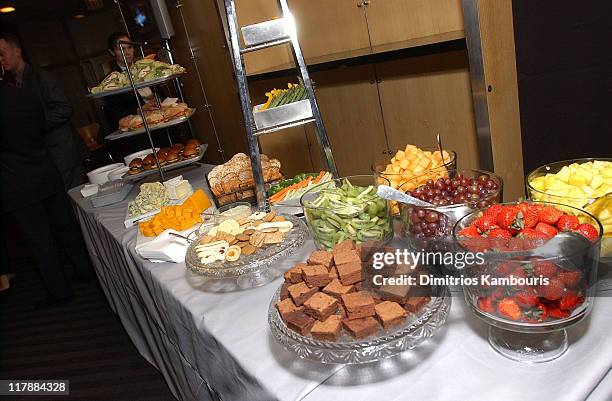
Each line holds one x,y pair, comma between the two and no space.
385,344
250,270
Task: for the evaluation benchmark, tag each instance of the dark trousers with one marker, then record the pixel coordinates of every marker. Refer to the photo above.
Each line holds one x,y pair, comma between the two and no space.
54,240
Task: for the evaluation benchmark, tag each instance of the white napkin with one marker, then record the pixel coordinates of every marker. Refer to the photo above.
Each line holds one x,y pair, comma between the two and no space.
89,189
164,248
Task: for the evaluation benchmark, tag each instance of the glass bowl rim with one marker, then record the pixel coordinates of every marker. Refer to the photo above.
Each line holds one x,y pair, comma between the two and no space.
456,205
443,165
313,189
593,244
565,163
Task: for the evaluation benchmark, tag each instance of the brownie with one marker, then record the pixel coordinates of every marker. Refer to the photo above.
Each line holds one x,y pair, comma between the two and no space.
327,330
414,304
294,275
333,273
284,292
346,245
343,257
315,275
361,328
358,305
396,293
358,286
287,306
390,313
336,289
323,258
300,292
320,306
349,273
299,322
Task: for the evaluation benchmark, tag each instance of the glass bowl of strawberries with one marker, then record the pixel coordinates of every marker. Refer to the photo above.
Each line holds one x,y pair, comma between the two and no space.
451,198
533,276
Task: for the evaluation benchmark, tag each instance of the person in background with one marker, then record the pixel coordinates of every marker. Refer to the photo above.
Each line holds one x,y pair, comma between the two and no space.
68,151
32,194
118,106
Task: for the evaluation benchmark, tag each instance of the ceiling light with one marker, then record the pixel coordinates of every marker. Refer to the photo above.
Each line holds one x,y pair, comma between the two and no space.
6,10
79,16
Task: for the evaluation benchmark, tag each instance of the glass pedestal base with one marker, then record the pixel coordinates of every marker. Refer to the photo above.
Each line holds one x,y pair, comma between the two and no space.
528,347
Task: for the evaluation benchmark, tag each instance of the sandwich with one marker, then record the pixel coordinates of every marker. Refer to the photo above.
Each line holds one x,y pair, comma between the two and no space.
149,162
135,166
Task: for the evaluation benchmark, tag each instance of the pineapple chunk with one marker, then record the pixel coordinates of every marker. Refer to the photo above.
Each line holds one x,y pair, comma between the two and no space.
564,174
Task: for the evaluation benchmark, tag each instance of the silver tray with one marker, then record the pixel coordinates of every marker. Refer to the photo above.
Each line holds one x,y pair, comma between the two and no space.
264,259
386,344
266,31
167,167
124,134
128,88
284,114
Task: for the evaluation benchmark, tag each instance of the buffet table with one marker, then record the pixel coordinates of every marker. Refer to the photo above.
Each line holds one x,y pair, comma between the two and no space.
209,344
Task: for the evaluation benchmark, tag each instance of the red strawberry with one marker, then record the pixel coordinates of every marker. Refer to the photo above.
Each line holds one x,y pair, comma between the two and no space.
486,304
486,223
553,290
498,293
567,223
537,314
526,298
529,214
531,233
506,218
499,233
558,313
546,229
469,232
570,278
588,231
493,210
505,268
508,308
544,268
569,300
549,215
519,273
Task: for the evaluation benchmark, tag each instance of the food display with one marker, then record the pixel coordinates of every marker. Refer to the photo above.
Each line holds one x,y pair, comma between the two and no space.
178,217
415,165
295,187
168,110
585,184
537,277
152,196
165,156
231,239
279,97
347,208
323,298
233,181
142,71
451,198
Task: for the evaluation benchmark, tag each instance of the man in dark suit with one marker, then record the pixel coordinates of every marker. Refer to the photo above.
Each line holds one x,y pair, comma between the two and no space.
32,194
68,151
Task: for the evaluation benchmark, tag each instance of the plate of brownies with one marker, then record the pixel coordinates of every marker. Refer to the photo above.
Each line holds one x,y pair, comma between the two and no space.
323,311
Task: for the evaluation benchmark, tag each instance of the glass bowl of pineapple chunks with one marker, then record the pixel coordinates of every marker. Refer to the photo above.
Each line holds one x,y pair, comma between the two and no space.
414,164
582,183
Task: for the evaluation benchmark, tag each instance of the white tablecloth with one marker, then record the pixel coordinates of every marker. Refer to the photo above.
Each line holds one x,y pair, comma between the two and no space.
201,339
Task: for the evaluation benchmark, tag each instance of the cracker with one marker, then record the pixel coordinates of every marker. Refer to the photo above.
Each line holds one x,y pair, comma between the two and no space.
273,238
248,249
243,237
269,217
257,239
278,219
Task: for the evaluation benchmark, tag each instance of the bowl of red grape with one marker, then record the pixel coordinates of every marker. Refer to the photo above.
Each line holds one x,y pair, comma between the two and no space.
463,191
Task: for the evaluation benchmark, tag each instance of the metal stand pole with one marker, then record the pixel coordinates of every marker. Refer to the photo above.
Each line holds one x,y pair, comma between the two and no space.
121,43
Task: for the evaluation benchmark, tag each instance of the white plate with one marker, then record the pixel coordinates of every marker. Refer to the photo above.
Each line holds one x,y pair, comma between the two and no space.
117,173
141,154
100,175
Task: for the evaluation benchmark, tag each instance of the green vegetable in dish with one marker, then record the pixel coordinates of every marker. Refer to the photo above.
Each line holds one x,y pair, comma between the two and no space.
348,212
